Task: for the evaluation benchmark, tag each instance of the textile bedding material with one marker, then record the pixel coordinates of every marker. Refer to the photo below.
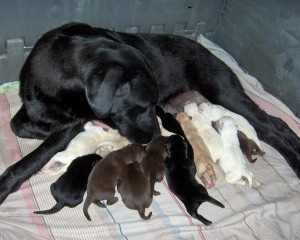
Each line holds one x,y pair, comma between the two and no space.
268,212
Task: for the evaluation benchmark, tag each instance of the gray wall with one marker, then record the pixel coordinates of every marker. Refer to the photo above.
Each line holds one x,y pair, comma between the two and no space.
263,36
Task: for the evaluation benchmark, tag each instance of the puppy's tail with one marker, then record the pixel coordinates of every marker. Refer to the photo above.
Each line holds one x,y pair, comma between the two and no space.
86,205
214,201
56,208
142,214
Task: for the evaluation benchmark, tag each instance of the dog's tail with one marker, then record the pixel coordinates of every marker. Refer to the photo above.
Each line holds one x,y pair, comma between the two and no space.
214,201
56,208
88,201
142,214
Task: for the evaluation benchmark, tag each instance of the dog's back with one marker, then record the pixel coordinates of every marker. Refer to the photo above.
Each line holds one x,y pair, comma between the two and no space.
210,136
232,161
107,173
206,169
135,190
249,147
181,179
215,112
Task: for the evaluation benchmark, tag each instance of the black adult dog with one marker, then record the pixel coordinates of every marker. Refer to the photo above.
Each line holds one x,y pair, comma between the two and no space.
181,179
76,73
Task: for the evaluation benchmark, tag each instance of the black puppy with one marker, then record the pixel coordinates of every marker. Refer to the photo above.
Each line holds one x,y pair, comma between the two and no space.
181,178
70,187
76,73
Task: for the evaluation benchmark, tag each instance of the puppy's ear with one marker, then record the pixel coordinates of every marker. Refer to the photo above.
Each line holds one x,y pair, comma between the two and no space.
100,94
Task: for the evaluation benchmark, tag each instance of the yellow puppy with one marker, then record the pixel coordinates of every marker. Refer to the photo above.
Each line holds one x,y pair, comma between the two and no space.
203,160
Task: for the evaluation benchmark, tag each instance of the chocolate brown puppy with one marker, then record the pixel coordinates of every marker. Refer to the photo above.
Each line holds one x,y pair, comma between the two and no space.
249,147
107,173
181,178
153,162
70,187
137,186
135,190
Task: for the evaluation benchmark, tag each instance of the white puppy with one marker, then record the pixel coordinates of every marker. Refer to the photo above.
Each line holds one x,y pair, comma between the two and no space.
86,142
232,161
215,112
98,138
210,136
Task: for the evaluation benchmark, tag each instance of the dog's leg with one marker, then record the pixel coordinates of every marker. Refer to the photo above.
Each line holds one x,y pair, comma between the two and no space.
15,175
23,127
112,200
192,210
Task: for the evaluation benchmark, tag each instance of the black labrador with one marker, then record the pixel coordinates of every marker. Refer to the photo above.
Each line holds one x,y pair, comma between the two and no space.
70,187
76,73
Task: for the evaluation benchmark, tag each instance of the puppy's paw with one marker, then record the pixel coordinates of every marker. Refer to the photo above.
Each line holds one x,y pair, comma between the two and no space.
104,150
112,201
55,169
256,183
156,193
208,177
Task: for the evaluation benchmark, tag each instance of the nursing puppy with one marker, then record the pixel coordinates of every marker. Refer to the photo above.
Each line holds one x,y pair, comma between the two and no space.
232,161
153,162
70,187
249,147
176,104
137,187
204,163
92,138
96,137
208,133
135,191
181,178
215,112
108,173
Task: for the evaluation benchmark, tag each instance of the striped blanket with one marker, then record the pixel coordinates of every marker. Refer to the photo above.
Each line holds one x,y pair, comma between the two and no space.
268,212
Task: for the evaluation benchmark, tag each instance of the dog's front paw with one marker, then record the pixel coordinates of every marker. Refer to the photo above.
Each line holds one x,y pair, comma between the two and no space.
8,184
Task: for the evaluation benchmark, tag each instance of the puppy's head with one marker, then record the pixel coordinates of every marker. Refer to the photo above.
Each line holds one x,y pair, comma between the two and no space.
174,145
138,151
183,117
126,92
226,124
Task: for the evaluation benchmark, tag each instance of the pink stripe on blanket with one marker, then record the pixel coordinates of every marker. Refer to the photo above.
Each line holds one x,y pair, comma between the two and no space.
275,111
183,210
14,151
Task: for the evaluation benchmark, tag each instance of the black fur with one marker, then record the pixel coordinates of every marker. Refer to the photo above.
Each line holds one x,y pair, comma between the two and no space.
181,178
70,187
76,72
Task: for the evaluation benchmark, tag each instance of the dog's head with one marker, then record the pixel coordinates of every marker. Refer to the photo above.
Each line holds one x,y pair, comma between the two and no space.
125,91
176,145
183,117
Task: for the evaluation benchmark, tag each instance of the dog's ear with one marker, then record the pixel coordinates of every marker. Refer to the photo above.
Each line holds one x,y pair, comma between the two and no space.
100,93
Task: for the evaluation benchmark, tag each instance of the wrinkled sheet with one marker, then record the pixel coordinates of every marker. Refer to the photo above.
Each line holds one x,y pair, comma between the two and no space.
271,211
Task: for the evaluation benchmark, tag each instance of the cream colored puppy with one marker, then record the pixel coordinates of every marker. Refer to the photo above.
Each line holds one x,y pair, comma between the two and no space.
86,142
232,161
204,164
215,112
210,136
98,138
